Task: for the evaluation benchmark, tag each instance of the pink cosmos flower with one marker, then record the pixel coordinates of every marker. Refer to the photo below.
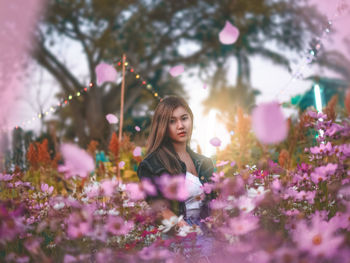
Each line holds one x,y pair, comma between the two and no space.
207,188
137,128
154,253
6,177
148,186
216,176
76,161
118,226
333,129
323,148
135,192
46,189
173,187
108,186
341,220
245,204
321,173
317,115
242,225
79,224
318,238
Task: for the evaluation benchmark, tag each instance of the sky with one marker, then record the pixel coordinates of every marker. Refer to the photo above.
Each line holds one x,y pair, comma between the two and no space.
272,81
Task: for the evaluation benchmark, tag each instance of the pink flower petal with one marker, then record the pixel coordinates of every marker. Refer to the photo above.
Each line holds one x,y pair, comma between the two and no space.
268,123
112,119
137,128
121,164
205,86
105,72
215,142
221,163
137,151
176,71
229,34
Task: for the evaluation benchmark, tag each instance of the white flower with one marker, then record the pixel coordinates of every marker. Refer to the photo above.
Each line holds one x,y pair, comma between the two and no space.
257,193
186,229
169,223
245,204
113,212
58,206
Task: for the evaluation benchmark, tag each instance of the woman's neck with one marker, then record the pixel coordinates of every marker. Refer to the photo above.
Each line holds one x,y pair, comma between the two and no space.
180,148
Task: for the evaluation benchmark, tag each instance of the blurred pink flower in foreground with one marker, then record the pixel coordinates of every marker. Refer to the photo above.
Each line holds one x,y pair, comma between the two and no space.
18,20
76,161
229,34
138,191
268,123
153,253
118,226
173,187
241,225
79,224
104,73
318,238
135,191
108,186
176,71
111,118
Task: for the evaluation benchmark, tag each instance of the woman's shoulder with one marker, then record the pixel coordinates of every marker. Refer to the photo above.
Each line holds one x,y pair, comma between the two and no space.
152,163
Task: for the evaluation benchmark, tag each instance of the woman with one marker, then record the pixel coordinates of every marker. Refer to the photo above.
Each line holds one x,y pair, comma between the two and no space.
168,153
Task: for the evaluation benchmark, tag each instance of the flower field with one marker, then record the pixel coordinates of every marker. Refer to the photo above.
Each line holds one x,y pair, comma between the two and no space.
288,202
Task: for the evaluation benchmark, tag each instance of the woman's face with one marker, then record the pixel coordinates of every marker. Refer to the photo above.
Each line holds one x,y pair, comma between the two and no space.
180,125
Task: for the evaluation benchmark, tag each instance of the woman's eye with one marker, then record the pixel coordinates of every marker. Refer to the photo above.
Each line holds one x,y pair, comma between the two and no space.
184,118
172,121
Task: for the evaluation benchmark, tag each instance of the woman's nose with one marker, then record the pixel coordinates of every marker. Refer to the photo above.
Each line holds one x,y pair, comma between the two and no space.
180,124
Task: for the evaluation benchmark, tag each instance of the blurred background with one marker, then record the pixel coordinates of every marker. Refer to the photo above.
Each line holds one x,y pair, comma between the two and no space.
286,48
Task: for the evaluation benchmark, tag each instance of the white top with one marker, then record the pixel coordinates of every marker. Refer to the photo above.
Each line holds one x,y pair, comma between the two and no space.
195,191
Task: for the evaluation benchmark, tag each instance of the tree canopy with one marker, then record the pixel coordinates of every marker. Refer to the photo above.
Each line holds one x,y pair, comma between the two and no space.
156,35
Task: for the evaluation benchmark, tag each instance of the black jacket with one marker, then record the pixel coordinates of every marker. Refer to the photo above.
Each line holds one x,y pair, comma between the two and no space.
152,168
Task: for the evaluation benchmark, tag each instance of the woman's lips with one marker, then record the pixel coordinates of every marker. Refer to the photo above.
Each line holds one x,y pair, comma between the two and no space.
182,134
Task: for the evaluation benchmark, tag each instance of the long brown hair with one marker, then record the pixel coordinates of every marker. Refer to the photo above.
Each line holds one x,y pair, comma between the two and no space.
158,140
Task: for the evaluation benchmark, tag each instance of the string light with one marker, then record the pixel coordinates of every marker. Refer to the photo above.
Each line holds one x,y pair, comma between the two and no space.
64,102
306,61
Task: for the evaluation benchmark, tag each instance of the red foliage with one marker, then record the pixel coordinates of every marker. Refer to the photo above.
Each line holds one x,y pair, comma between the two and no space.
91,149
347,101
43,154
32,156
114,145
